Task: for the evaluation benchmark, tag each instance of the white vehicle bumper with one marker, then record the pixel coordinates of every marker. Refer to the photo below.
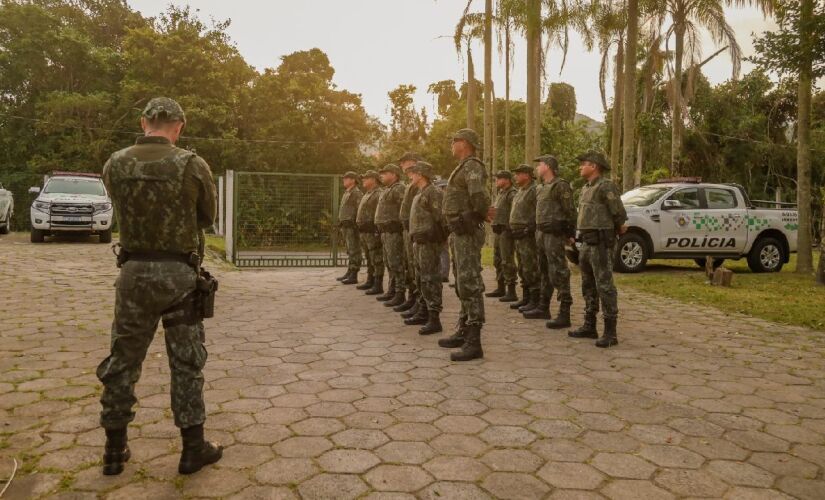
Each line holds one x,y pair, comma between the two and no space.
96,223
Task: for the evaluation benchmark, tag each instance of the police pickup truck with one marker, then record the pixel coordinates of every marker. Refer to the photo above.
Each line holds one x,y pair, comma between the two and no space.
71,202
688,219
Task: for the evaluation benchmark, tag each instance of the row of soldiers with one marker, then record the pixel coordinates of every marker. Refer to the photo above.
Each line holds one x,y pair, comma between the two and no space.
403,229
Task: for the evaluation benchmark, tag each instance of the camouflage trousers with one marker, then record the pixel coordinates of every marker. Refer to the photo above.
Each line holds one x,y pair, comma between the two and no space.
504,257
445,262
393,244
545,284
558,274
529,265
428,262
596,265
371,246
409,262
145,293
353,242
469,287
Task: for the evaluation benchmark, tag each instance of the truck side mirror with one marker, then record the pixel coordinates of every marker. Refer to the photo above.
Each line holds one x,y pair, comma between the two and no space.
34,190
671,204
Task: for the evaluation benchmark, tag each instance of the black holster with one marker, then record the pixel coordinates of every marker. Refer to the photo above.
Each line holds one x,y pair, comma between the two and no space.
205,290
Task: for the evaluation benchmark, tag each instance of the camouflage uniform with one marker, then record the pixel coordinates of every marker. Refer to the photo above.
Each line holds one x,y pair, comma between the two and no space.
164,197
523,228
370,240
427,232
404,215
555,217
389,225
349,230
503,243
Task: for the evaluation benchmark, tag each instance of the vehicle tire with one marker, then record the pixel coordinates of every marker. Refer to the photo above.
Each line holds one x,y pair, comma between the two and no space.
105,236
7,225
767,256
717,263
631,253
38,235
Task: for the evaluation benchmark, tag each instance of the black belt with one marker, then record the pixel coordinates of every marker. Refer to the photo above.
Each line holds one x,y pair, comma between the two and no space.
192,259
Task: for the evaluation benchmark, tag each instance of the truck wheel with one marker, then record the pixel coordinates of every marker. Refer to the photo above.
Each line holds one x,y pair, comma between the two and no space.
38,235
631,254
767,256
702,261
105,236
7,226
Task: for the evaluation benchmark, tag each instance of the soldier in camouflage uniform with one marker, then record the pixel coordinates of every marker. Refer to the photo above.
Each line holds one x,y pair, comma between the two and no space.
370,239
503,244
349,231
428,234
411,305
523,231
392,239
466,204
602,216
556,220
164,197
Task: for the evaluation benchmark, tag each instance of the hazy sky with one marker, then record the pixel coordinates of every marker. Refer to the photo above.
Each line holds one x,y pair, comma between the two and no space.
375,45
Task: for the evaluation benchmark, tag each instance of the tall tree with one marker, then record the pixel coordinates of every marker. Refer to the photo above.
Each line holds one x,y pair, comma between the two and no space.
629,100
533,22
488,85
470,27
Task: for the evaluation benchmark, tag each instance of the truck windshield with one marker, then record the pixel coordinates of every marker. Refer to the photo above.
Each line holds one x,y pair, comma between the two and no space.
644,196
75,186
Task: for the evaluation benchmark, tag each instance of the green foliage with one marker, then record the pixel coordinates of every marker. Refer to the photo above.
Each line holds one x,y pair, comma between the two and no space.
561,101
784,50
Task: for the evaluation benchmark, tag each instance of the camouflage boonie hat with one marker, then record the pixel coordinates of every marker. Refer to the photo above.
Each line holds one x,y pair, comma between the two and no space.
370,174
596,157
164,109
524,169
352,175
422,168
393,169
504,174
469,135
549,160
410,156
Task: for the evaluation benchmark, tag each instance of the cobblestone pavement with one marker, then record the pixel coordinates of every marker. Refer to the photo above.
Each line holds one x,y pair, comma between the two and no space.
320,392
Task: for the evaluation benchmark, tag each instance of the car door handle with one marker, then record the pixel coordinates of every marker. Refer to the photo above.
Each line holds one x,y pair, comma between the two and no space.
656,218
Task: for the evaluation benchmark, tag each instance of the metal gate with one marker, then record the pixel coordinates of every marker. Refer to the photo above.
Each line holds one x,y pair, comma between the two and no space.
282,219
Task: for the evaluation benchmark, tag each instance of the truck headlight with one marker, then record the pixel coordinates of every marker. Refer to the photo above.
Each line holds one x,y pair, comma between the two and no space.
102,207
42,206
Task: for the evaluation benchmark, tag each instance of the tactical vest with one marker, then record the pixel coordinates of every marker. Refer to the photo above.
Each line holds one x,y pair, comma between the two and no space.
349,205
523,213
504,203
422,219
153,213
593,211
549,203
457,196
389,204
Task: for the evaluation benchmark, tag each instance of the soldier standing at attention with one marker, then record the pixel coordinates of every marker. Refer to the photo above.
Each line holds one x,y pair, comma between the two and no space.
392,239
503,246
428,235
441,184
164,197
370,241
412,302
346,217
523,231
556,218
465,209
601,217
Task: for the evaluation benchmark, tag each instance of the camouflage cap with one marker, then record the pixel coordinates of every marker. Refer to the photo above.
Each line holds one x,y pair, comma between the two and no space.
504,174
524,169
422,168
410,156
164,109
391,168
549,160
469,135
370,174
352,175
596,157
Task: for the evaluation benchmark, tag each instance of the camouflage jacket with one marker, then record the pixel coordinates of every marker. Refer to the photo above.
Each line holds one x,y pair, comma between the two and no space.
164,196
366,209
523,213
425,212
504,203
349,204
467,179
406,204
554,203
600,206
389,203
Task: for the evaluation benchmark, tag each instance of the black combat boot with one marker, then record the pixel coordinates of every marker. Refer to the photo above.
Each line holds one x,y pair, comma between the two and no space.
116,452
433,324
390,292
457,338
397,300
587,330
353,278
409,313
412,298
609,338
498,292
420,317
525,299
541,311
510,294
531,304
197,452
377,286
367,284
345,276
562,320
472,345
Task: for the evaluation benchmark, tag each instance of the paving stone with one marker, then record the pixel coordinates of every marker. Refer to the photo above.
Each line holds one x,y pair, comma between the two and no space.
302,447
264,493
739,473
571,475
691,483
512,460
622,465
333,486
348,461
515,486
453,491
783,464
671,456
214,483
405,452
398,478
456,468
285,471
625,489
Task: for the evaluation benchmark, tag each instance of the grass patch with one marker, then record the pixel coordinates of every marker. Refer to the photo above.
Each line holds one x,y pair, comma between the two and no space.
217,244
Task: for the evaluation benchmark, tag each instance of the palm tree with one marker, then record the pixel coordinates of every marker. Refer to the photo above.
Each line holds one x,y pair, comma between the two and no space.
470,27
488,84
535,66
509,18
629,104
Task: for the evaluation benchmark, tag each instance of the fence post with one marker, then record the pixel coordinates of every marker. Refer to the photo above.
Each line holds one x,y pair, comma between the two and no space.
221,200
335,183
229,227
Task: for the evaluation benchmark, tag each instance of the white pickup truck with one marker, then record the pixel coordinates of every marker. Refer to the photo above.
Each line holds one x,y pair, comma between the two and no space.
694,220
71,202
6,210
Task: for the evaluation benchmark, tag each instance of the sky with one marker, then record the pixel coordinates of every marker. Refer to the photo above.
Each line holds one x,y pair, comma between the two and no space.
376,45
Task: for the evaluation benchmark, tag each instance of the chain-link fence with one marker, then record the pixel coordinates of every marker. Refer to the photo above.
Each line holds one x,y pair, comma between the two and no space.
284,220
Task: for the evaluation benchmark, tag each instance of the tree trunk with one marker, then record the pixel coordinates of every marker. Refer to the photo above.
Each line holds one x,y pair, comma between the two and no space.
676,125
616,122
629,107
507,98
647,96
533,112
804,258
820,268
488,84
471,89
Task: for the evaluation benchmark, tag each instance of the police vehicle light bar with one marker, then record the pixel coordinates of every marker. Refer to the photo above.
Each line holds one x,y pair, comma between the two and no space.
57,173
681,180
